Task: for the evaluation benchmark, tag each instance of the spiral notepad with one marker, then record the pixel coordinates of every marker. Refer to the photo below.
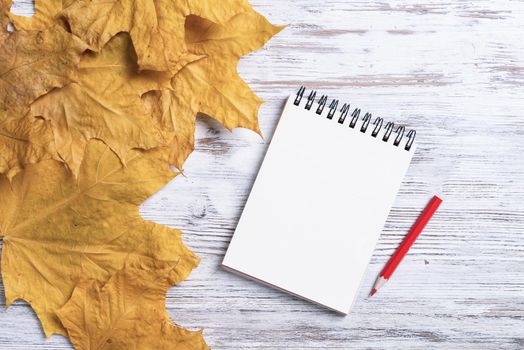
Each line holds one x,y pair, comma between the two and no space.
320,200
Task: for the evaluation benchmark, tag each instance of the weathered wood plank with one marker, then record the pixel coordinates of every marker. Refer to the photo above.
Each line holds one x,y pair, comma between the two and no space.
455,72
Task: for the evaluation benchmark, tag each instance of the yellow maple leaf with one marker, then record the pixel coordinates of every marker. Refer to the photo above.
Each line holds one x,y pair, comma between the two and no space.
24,141
212,86
108,116
32,63
5,5
156,26
104,104
128,312
57,231
46,15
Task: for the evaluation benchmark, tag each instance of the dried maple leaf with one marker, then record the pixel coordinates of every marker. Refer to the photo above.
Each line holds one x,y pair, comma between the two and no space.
128,312
104,104
5,5
212,86
156,26
57,230
31,64
46,15
24,141
34,62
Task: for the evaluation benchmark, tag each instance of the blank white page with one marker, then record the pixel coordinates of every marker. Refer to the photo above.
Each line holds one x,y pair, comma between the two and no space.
317,207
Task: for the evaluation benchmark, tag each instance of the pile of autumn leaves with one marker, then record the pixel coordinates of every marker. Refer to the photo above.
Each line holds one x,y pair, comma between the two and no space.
97,99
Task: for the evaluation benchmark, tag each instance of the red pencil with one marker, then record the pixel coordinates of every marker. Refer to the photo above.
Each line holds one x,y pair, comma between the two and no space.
408,241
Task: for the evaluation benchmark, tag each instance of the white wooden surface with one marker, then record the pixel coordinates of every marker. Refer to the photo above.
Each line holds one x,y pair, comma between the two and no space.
455,72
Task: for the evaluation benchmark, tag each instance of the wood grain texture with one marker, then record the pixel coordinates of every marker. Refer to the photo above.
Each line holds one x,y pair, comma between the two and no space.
452,70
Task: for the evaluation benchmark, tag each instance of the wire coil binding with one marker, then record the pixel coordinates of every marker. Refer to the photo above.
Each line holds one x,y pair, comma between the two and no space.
376,126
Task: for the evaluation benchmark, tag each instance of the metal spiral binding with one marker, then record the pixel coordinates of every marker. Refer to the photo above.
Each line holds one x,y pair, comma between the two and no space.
355,116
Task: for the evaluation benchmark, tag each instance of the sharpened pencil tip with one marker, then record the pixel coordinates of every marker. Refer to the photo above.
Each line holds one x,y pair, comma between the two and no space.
372,292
